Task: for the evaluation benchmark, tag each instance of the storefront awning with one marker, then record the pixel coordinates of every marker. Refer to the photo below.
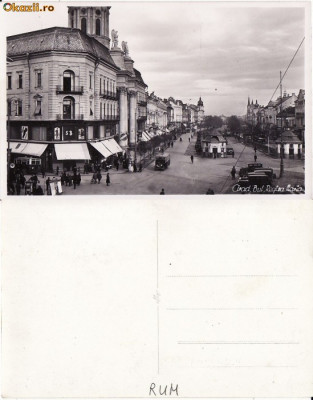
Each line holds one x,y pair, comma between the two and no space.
145,137
72,151
112,146
31,149
101,148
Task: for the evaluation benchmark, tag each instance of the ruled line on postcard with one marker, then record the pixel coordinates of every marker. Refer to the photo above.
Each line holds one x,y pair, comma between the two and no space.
239,342
232,309
232,276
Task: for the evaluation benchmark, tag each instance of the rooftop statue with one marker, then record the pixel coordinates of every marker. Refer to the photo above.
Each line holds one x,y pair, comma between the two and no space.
125,48
114,36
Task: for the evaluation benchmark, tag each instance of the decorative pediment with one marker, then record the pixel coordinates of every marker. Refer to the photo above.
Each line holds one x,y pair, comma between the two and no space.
37,96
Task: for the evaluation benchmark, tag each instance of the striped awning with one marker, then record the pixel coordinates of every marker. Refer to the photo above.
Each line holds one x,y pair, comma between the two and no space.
31,149
72,151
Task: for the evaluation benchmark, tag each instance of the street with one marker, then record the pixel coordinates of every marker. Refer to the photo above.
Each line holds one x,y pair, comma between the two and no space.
184,177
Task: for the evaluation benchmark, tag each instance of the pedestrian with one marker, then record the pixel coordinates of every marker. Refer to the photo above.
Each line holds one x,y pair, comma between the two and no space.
255,157
18,187
108,180
48,185
140,167
233,154
210,191
117,165
233,172
191,158
74,180
135,166
99,176
63,178
162,191
43,172
189,139
70,180
79,178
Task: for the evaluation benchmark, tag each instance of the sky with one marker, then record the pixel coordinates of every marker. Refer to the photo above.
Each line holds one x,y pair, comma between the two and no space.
223,52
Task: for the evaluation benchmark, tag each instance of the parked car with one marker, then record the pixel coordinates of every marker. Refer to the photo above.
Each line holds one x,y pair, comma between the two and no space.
230,151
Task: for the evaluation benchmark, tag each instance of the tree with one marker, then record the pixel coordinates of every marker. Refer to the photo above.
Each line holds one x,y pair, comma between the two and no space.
212,122
234,124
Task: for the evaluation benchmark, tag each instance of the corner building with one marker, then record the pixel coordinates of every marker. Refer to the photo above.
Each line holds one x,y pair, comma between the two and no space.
69,102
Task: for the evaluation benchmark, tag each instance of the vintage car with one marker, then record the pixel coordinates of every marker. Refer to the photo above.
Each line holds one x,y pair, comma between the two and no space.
162,161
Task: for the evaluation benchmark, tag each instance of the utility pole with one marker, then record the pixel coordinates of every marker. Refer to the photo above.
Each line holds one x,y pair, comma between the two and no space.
281,133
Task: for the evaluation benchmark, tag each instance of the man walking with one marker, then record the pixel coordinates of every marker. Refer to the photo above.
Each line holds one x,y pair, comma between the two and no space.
191,158
108,180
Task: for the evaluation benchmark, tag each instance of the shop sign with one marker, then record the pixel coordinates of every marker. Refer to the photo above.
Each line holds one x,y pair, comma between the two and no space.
24,132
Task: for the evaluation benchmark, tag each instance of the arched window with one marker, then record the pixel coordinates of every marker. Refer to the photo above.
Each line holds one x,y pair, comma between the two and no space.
84,25
68,81
98,27
68,107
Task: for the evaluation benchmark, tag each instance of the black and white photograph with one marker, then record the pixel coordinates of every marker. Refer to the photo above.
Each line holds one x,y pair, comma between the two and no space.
156,294
154,98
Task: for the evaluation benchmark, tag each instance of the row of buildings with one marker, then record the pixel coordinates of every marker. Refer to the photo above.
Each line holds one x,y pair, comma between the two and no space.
287,114
74,95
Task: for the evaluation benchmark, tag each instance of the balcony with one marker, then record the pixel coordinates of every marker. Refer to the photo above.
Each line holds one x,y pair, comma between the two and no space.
60,89
72,118
106,94
142,101
111,117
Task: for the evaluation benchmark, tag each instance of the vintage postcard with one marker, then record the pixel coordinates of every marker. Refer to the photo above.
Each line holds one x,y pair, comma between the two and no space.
210,98
159,296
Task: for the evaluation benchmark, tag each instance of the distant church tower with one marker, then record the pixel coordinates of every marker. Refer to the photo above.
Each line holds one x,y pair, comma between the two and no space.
200,110
94,21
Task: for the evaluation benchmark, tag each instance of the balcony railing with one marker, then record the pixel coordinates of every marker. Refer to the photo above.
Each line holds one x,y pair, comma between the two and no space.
107,94
74,117
142,100
60,89
111,117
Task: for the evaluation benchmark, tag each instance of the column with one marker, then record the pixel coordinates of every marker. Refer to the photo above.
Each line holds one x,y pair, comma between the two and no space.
132,118
123,110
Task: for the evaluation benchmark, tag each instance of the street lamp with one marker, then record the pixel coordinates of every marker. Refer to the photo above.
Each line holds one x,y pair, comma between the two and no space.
281,133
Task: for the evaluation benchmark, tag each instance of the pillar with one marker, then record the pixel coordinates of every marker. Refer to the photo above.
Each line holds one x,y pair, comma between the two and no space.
132,118
123,110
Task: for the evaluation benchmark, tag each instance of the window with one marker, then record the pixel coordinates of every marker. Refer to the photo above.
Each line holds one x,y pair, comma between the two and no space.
38,107
38,79
19,108
98,27
20,81
100,110
68,108
90,81
10,81
100,86
84,25
9,107
104,109
91,112
68,81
